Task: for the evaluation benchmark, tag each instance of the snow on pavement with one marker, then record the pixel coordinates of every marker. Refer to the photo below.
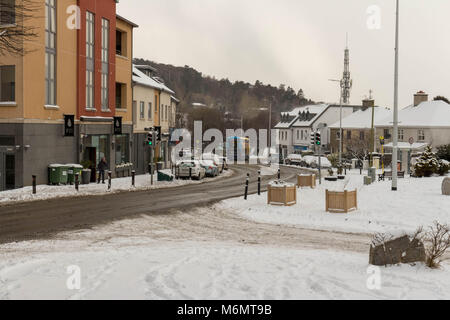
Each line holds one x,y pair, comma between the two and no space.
200,270
142,182
417,202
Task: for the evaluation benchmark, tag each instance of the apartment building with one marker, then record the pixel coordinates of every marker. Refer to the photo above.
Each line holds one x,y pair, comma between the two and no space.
58,101
154,105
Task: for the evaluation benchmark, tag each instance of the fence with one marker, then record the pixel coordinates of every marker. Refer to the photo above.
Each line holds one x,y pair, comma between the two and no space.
306,181
341,202
283,195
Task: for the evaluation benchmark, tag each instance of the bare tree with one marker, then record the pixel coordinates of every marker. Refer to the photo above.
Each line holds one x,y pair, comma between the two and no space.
438,241
357,148
15,28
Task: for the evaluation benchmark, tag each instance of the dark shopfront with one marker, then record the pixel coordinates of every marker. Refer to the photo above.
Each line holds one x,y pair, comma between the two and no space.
7,166
98,141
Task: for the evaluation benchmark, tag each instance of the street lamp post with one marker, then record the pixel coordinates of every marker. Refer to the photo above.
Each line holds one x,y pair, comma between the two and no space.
395,132
340,119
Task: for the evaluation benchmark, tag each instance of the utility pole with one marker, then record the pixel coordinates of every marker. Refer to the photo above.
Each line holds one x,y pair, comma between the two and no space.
341,82
395,133
372,132
270,128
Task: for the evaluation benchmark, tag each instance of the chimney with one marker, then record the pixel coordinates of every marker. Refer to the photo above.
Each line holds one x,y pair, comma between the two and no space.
420,97
367,103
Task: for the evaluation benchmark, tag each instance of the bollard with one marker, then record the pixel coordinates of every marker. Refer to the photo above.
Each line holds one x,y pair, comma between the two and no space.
246,186
109,179
34,184
190,173
279,174
223,165
259,182
150,169
77,181
133,178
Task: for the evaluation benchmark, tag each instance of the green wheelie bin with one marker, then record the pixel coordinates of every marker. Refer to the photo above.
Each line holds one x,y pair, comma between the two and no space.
73,170
54,174
63,178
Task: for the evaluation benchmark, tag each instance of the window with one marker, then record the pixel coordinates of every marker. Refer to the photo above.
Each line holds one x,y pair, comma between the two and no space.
7,12
122,149
156,106
349,134
421,135
105,65
50,52
90,27
338,135
121,90
7,84
401,135
142,110
361,135
387,134
149,110
166,110
298,134
121,43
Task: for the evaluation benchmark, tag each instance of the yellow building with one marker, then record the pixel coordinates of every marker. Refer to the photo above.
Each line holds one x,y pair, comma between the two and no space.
46,113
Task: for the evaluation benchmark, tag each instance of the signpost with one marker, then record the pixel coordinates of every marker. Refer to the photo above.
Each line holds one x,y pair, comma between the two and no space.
411,142
382,153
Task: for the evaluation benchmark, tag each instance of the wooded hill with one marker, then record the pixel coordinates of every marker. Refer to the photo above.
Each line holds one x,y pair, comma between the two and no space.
237,98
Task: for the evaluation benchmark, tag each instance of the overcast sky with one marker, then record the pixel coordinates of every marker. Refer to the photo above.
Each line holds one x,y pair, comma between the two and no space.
301,43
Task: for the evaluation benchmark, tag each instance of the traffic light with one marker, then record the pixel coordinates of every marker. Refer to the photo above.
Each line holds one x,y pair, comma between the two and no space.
158,133
313,139
318,140
150,136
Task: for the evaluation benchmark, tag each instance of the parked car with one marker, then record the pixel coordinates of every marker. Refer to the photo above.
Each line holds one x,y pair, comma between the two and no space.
211,170
197,171
313,162
294,159
218,160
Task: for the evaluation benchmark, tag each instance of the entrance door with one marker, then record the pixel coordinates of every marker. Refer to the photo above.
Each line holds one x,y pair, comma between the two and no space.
2,172
7,171
91,154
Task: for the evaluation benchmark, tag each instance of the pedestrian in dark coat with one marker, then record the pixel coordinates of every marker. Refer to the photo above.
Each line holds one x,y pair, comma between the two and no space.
102,167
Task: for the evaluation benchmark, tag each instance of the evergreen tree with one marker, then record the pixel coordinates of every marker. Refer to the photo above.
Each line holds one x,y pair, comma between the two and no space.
427,164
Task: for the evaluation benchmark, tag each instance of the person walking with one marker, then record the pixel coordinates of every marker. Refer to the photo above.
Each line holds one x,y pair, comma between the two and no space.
102,167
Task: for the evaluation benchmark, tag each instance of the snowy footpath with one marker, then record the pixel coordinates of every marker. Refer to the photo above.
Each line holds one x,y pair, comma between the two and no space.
142,182
417,202
144,269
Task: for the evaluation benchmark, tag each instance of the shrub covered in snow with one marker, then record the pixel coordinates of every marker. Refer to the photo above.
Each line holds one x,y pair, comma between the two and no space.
427,164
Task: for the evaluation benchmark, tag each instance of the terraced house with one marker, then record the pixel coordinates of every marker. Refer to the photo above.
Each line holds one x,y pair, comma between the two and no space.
68,98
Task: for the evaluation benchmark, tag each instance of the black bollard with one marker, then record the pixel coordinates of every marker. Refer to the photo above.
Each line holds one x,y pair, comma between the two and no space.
150,170
77,181
259,182
34,184
109,180
133,178
279,174
190,173
246,186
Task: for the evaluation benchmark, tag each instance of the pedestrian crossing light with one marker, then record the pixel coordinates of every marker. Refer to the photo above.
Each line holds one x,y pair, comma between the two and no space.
318,140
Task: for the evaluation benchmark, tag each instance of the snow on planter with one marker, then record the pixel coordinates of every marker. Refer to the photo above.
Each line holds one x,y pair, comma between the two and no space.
281,193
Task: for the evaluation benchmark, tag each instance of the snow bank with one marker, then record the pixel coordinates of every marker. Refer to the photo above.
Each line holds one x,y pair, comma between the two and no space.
417,202
142,182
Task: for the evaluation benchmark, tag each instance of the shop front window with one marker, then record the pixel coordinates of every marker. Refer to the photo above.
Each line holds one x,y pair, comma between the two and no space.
122,149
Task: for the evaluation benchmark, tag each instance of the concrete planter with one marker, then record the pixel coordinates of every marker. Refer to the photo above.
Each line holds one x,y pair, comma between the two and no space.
86,176
446,186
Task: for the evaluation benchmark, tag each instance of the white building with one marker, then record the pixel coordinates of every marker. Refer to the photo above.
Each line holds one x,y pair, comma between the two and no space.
296,126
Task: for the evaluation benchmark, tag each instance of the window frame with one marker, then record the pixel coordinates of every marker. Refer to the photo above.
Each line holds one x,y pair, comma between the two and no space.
50,52
13,89
90,60
141,110
106,26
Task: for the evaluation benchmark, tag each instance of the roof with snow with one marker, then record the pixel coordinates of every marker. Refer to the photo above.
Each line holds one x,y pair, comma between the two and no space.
363,119
141,78
426,114
301,116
